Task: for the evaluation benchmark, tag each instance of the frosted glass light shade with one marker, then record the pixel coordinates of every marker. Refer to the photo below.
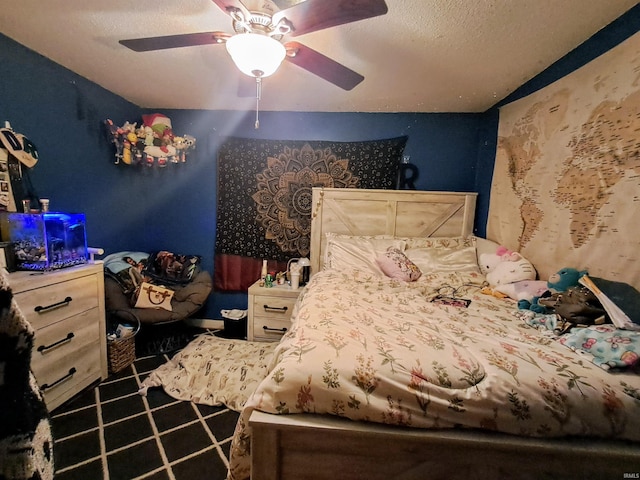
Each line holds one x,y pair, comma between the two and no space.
256,55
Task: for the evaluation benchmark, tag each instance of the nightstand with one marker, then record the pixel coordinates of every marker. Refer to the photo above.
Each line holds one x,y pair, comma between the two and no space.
66,309
270,311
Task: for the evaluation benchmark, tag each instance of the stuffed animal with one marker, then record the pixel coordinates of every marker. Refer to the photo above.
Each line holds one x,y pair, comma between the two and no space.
504,267
509,274
126,152
558,282
565,278
523,290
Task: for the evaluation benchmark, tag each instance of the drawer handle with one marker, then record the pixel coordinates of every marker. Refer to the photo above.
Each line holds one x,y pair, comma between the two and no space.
279,309
46,386
279,330
44,348
63,303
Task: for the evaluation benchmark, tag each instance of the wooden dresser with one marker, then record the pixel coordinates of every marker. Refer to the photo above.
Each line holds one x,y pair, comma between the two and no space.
269,315
66,309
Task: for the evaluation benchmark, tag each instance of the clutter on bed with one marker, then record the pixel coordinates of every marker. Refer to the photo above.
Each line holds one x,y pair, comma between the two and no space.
371,348
607,346
619,299
153,143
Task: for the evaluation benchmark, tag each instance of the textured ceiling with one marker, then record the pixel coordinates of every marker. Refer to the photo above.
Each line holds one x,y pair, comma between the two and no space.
422,56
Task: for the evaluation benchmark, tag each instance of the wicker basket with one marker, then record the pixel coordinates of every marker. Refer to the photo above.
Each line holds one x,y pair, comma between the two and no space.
121,352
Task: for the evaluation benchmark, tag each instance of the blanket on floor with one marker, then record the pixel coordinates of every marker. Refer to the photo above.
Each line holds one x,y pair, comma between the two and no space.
213,371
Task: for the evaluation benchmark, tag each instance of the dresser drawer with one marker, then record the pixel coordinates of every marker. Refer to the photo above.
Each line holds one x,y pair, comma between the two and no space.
67,354
55,302
269,328
279,308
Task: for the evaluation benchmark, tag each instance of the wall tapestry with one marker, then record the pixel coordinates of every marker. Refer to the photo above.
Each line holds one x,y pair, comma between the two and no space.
566,185
264,197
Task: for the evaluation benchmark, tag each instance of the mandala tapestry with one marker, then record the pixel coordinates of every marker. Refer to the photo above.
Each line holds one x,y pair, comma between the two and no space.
264,197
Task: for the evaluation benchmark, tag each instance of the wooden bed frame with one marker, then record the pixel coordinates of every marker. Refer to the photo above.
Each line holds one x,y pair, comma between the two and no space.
399,213
294,447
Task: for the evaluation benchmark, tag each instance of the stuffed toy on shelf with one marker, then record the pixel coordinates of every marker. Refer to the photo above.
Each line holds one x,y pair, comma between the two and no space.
153,143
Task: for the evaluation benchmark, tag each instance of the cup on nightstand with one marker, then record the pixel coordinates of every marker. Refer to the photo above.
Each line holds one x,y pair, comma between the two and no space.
295,280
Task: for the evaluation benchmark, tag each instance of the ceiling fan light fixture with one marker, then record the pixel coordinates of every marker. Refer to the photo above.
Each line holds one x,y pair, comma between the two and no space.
255,54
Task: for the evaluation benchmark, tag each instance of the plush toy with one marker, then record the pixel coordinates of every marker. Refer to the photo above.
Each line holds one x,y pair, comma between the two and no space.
488,262
558,282
126,152
507,267
523,290
507,255
129,127
509,274
181,147
565,278
159,151
148,136
158,122
151,143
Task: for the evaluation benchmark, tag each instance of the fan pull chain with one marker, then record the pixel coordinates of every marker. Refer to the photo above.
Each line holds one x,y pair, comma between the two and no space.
258,94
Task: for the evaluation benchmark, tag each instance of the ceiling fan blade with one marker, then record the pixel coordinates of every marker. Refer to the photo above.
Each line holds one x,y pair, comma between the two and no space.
312,15
175,41
322,66
228,5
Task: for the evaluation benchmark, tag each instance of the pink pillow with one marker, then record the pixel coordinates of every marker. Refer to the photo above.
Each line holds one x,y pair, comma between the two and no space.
396,265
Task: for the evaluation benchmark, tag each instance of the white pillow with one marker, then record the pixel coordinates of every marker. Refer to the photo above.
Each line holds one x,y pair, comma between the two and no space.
443,254
345,252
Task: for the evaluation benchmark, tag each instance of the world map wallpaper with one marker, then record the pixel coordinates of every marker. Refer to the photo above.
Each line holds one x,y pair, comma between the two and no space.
566,184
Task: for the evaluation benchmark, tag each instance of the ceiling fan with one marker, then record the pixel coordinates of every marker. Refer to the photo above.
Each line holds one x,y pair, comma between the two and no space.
256,47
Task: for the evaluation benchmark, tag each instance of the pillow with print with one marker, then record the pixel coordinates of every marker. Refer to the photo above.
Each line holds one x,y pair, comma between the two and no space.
397,265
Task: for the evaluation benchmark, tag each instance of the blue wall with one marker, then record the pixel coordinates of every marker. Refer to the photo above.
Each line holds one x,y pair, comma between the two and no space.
175,208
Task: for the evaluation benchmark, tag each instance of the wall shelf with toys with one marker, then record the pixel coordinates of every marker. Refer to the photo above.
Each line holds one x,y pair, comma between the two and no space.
153,143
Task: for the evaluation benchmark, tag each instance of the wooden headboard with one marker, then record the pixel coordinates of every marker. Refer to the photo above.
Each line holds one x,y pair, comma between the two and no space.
401,213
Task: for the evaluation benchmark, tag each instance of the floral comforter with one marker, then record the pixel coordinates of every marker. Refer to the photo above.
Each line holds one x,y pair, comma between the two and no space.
374,349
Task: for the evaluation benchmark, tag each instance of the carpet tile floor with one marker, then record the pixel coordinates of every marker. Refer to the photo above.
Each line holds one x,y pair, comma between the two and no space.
111,432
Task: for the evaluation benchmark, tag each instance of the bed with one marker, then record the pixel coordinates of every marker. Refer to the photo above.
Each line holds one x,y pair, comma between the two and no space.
384,378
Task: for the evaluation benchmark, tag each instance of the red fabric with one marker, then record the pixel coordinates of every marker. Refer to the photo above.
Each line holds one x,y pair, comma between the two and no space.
233,273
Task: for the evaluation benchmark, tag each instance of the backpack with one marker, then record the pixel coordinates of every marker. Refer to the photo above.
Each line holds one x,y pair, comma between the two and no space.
576,307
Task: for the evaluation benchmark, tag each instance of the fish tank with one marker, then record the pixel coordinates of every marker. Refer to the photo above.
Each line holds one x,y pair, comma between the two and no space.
45,241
